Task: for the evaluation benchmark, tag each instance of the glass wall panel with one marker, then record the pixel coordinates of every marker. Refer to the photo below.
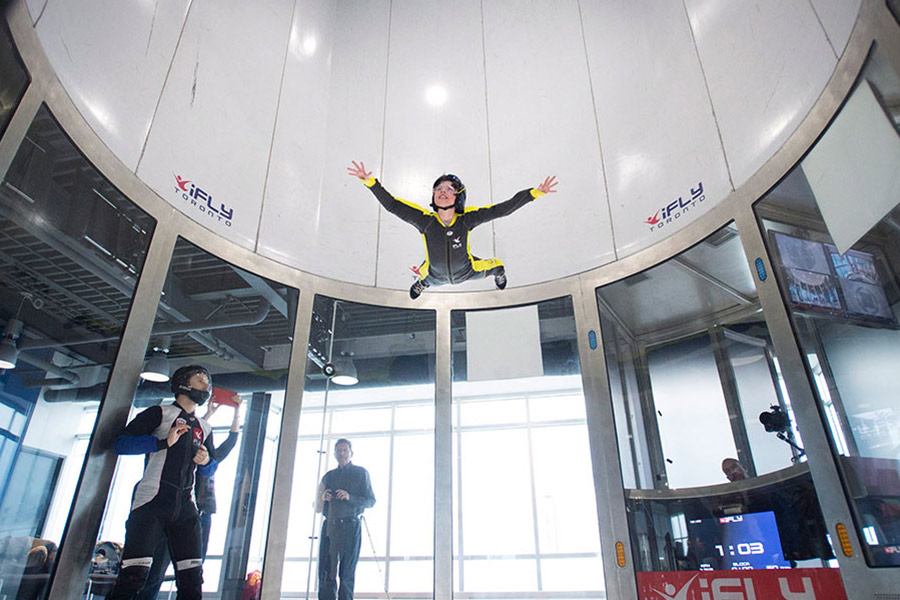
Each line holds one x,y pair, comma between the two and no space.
239,326
369,380
841,289
13,77
71,249
693,376
525,515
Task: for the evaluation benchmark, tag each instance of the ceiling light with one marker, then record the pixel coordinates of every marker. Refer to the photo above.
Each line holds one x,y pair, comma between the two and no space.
157,368
345,371
8,354
436,95
8,351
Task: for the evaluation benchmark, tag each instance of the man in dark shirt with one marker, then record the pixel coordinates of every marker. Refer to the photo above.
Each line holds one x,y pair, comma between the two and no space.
163,500
344,493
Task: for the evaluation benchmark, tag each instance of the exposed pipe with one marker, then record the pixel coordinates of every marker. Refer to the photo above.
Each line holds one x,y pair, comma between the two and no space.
70,377
168,329
149,393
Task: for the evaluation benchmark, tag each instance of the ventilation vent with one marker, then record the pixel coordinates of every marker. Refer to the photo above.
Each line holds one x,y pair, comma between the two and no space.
886,596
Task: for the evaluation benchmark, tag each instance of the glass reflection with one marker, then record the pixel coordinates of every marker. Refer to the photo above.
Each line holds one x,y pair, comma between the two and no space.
71,249
387,414
691,367
844,305
525,516
13,77
239,327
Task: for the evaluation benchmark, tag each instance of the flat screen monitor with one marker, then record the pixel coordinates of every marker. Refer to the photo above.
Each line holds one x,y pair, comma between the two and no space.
821,280
736,542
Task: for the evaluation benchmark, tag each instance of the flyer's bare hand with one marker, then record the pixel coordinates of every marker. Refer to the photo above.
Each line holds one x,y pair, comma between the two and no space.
358,169
176,432
201,456
548,185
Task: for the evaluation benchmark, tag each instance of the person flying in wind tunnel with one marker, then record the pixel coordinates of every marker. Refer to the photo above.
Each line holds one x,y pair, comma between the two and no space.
177,443
445,231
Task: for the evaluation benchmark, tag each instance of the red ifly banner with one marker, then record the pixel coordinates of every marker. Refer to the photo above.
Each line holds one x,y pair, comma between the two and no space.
760,584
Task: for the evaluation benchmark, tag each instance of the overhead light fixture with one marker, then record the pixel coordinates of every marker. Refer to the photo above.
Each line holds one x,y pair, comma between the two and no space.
9,354
345,371
157,367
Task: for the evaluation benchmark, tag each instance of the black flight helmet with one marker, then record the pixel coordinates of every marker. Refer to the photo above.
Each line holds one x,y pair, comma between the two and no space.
180,383
460,188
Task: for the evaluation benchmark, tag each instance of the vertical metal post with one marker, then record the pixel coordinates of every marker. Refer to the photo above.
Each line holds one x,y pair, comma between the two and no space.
243,499
732,399
822,467
443,451
276,539
78,540
608,488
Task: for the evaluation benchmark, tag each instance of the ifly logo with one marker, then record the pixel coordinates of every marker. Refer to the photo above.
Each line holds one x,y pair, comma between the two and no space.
733,588
676,208
201,200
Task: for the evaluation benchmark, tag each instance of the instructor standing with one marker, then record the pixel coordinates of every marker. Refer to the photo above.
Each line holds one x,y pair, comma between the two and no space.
344,493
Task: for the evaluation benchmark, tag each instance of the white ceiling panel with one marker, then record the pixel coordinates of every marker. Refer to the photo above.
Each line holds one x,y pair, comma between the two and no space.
766,62
331,111
659,133
113,73
216,116
838,18
542,123
435,120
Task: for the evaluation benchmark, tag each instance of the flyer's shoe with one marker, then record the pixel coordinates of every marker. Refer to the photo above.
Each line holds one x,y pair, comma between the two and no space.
500,279
417,288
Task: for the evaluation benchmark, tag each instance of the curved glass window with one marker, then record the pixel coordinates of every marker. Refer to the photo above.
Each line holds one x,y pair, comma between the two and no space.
693,376
369,380
239,326
71,250
525,512
833,231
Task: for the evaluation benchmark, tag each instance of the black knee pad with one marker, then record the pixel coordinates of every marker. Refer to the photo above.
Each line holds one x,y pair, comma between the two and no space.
131,580
190,583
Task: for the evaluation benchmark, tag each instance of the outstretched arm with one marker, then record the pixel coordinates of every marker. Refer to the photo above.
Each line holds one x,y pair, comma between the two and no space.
477,216
417,216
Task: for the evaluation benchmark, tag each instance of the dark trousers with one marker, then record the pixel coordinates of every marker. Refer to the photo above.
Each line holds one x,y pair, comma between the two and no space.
161,560
172,518
338,552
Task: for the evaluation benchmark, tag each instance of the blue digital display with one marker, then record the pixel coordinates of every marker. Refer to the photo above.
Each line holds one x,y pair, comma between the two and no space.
737,542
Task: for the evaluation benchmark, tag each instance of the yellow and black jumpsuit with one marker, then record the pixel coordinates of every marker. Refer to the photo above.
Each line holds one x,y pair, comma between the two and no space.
448,258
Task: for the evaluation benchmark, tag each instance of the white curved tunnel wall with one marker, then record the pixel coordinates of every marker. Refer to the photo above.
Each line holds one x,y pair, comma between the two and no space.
262,105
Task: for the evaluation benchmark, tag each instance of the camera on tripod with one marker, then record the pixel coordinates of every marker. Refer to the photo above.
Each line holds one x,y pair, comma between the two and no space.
776,421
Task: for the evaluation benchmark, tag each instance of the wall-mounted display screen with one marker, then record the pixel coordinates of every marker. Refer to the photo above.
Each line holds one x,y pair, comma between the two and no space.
737,542
821,280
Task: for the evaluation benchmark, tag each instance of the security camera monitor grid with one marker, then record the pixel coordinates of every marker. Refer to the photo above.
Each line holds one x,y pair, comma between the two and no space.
808,274
737,542
861,285
820,280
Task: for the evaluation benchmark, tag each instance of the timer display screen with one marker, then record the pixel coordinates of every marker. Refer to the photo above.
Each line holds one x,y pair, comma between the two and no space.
745,541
